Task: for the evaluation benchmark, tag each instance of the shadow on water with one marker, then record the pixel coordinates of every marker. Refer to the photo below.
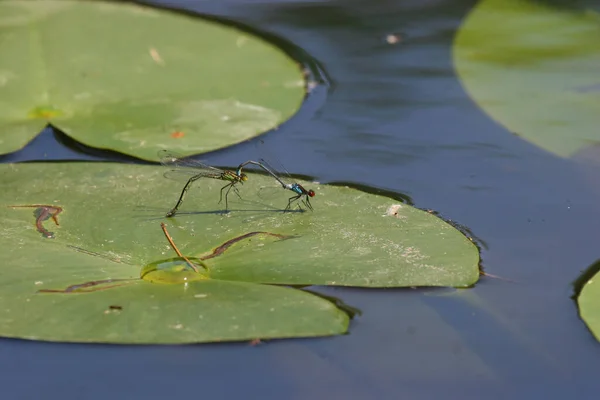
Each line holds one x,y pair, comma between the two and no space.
394,195
351,311
51,144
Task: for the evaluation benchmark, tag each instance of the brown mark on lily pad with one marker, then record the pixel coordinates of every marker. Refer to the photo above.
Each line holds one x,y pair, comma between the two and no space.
42,213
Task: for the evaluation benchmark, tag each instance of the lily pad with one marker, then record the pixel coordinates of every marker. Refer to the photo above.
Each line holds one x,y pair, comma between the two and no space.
110,230
534,68
589,305
137,79
54,292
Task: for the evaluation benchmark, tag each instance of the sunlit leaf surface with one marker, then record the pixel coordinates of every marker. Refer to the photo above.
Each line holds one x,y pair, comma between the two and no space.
137,79
533,67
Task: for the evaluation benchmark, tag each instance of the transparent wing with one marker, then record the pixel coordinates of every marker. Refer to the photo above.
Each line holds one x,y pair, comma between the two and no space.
174,160
271,161
182,174
184,169
274,170
273,192
275,166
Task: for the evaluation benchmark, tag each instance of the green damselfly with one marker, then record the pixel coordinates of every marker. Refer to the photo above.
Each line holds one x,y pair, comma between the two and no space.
193,170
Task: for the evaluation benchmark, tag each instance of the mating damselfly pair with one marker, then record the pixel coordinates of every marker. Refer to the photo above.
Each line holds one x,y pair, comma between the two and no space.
194,170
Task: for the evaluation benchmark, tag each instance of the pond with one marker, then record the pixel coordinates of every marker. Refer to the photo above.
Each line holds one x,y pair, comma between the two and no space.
395,117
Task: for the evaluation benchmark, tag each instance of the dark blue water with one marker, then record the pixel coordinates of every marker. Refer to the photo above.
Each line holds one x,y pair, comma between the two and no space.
394,117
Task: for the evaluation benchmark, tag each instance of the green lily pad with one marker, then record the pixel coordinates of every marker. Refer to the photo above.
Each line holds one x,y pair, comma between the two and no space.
137,79
109,235
533,68
61,293
589,305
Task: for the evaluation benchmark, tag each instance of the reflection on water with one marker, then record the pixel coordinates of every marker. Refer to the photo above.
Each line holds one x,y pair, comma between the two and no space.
394,118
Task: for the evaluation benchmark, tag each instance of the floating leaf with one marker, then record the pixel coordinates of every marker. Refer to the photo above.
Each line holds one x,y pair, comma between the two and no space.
110,231
176,82
534,68
50,291
589,305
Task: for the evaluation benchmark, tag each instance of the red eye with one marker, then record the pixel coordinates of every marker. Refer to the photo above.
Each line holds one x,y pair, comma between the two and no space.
311,193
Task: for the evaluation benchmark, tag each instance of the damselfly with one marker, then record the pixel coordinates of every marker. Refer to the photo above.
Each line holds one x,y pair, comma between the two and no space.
298,189
193,170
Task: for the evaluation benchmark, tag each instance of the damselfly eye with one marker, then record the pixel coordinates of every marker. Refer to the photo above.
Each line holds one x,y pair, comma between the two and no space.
311,193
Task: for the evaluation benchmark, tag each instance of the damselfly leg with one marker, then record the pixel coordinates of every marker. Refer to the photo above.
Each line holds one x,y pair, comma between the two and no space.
185,167
298,189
